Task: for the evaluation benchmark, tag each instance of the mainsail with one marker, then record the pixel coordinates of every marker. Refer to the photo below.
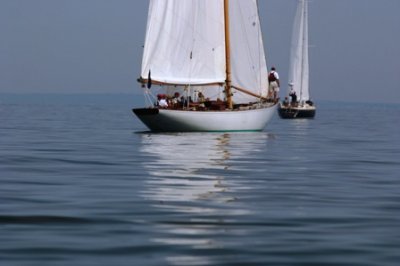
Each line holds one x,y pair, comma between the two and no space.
299,68
185,45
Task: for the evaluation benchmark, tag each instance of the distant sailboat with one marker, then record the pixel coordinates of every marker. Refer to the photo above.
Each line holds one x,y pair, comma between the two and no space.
208,58
300,105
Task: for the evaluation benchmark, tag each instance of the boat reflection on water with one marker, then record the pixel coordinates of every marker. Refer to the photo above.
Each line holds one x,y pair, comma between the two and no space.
301,126
196,181
185,166
192,166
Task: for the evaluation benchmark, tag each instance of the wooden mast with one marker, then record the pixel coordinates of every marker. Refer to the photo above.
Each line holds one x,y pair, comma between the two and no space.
228,81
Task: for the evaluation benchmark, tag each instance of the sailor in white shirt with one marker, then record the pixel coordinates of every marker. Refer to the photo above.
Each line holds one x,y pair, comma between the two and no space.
273,80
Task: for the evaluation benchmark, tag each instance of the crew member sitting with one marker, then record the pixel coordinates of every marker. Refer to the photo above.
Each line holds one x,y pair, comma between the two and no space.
162,102
286,102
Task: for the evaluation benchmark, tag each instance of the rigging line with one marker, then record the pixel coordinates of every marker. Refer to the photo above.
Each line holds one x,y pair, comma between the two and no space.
148,95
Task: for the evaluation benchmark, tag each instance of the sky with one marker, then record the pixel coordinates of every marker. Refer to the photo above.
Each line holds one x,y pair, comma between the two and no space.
95,46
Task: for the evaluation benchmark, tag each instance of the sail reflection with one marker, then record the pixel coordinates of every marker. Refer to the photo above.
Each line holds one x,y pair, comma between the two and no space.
192,166
185,165
196,180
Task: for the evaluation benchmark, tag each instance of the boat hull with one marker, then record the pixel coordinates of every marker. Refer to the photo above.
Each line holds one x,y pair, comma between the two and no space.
289,112
167,120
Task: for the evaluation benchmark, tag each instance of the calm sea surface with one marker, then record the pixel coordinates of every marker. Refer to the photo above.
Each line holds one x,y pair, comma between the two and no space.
85,184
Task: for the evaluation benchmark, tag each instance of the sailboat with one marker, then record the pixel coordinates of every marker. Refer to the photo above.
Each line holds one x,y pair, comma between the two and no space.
300,105
204,67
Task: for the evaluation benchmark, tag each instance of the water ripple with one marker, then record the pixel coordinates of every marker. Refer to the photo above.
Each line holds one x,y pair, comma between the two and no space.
84,185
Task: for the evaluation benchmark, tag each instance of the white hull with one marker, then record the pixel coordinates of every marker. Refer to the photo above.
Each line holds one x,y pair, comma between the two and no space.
166,120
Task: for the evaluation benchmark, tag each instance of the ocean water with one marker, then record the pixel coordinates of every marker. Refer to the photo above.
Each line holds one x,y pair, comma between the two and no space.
85,184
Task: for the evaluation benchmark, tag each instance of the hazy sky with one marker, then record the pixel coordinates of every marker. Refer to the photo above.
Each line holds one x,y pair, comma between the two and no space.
90,46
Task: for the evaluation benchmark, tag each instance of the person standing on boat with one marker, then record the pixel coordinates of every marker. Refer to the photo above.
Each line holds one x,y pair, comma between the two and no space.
274,84
293,95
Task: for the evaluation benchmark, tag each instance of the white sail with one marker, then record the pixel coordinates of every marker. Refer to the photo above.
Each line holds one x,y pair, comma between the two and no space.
249,68
299,68
185,42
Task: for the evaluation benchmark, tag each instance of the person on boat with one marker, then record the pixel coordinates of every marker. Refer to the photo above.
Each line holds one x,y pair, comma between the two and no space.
201,97
163,102
293,95
274,84
286,102
175,100
186,101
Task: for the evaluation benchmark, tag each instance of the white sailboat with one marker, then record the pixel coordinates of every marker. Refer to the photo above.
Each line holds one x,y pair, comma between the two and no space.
206,59
300,105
